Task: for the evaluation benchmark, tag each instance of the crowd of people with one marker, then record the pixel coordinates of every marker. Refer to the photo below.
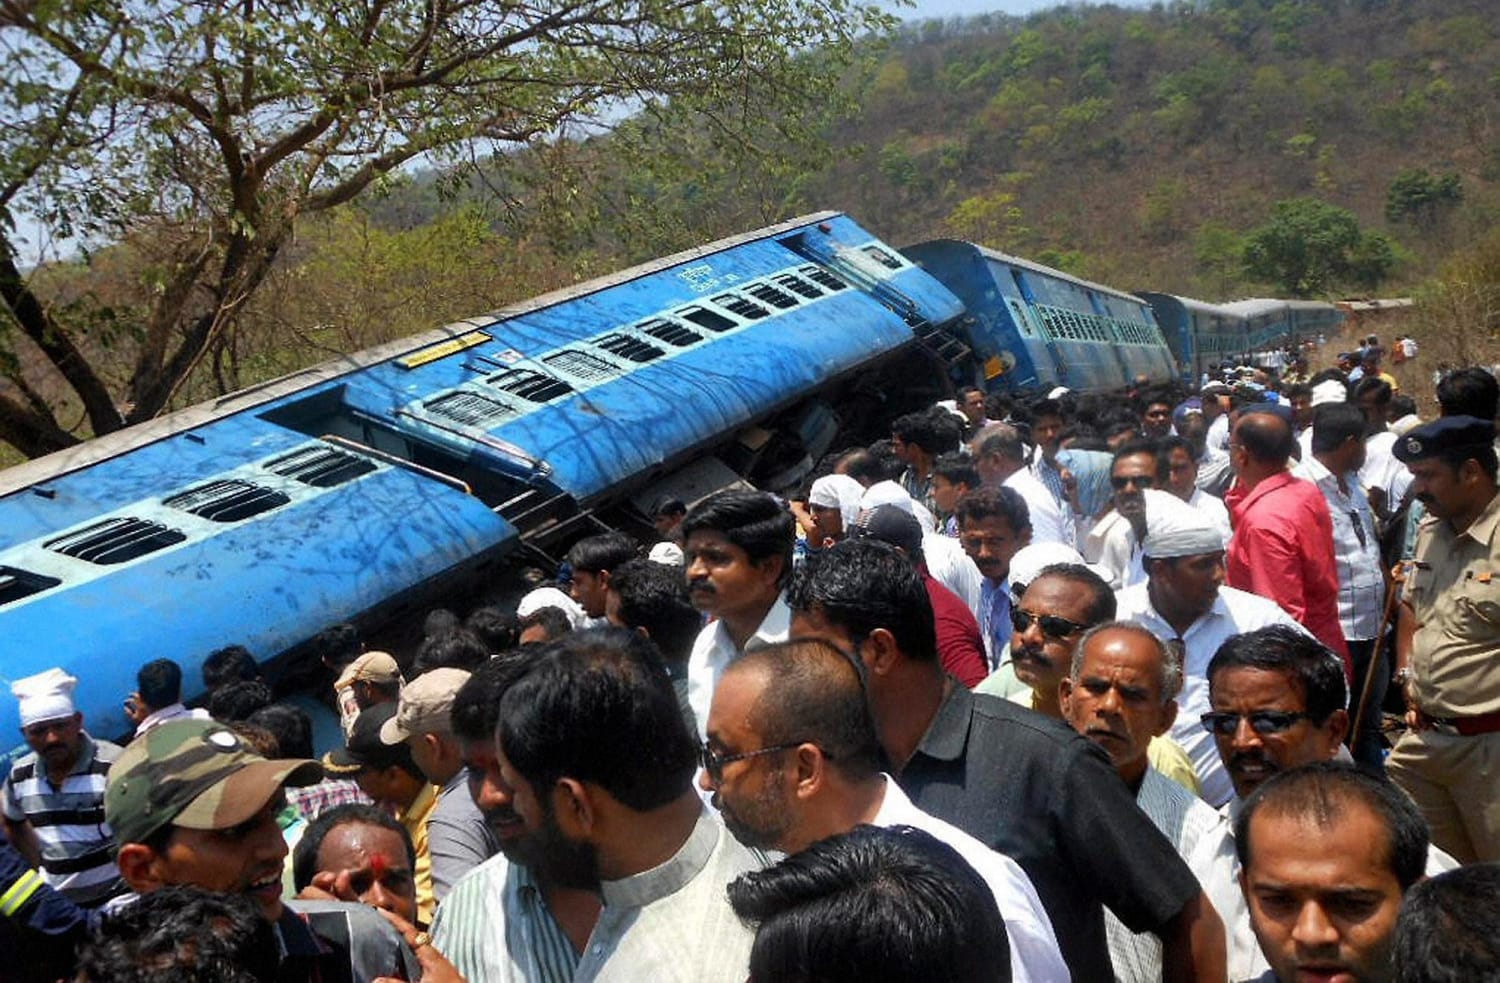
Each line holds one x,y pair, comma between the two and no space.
1149,685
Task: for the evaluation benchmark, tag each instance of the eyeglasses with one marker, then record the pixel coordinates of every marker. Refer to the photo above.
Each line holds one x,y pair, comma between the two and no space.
1052,625
1263,722
1121,482
994,543
713,761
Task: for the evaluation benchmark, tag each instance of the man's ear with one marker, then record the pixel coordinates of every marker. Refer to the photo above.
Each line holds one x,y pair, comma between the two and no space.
1065,696
881,652
1168,717
574,808
1337,728
773,566
140,867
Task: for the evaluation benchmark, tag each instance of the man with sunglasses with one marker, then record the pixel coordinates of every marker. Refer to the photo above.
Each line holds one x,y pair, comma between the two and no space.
1114,542
1279,701
1024,785
1338,451
792,758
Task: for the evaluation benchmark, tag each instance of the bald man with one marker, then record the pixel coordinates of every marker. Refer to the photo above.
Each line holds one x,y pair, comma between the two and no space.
1283,533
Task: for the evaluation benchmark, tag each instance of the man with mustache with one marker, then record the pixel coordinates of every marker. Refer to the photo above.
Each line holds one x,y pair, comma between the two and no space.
1115,541
738,551
993,525
506,921
600,765
1449,628
1121,693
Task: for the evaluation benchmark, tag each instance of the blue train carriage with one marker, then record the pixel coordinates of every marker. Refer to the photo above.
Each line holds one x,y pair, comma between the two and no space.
1036,327
1201,335
351,490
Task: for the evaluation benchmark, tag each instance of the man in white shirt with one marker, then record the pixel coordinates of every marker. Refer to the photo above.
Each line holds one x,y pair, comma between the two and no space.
1338,450
1184,603
1000,458
1115,541
158,697
1182,481
792,757
738,547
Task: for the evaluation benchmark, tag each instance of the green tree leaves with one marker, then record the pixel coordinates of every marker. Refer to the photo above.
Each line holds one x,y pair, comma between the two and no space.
1310,247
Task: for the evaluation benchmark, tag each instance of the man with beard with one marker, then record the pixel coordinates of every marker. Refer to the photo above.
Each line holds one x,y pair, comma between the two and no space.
506,921
792,758
601,764
738,550
54,796
1445,652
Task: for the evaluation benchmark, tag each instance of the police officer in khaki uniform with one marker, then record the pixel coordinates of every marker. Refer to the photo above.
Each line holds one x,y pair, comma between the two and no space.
1448,638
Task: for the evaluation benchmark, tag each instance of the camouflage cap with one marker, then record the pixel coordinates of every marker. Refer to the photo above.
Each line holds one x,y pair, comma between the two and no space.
196,774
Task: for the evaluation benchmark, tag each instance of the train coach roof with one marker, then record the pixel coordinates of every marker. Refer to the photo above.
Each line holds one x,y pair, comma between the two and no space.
1190,303
1027,264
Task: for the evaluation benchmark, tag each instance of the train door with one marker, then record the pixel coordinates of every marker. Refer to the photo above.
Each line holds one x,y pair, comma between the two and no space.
1038,333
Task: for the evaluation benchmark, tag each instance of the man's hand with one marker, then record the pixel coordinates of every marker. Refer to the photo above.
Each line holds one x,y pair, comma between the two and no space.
435,968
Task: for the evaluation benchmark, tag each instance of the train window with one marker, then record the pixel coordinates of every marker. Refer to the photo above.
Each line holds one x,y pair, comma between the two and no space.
670,332
581,364
772,295
16,583
822,277
705,318
630,348
469,409
116,540
321,467
532,386
797,285
229,500
885,259
743,306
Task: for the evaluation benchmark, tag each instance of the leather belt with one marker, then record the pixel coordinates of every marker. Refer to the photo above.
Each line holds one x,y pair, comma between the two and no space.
1485,723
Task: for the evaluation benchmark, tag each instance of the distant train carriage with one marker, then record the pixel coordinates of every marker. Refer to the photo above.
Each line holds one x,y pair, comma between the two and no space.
1036,327
1201,335
356,489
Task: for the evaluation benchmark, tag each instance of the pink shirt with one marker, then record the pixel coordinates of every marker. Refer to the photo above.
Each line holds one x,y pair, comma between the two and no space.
1283,550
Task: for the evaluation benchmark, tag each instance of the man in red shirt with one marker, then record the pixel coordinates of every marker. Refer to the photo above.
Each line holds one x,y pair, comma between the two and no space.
1283,535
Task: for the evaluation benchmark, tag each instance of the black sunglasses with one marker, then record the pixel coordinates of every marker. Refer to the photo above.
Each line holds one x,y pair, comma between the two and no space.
1052,625
1261,721
1119,483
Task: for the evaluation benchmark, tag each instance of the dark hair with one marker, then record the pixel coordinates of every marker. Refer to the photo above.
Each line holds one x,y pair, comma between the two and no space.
935,431
440,621
1321,791
338,645
1449,928
495,627
1114,427
1298,390
752,520
554,621
1102,606
1166,445
815,694
994,503
1403,405
1141,445
1045,407
458,648
305,856
1266,437
227,665
1000,440
873,905
182,934
1374,384
257,738
1334,423
1283,648
957,469
239,699
865,584
1331,375
605,551
654,596
862,466
476,705
1483,456
1471,391
290,725
598,707
160,683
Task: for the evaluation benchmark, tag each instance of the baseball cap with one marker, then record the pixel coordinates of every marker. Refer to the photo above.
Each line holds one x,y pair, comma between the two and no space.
365,749
372,667
891,524
425,705
196,774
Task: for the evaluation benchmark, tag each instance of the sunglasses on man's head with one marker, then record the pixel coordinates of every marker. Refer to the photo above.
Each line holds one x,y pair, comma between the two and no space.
1263,722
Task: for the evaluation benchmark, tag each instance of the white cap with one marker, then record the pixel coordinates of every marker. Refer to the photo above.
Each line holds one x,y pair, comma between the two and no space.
1330,391
551,597
45,696
1059,392
1175,528
1032,560
890,493
838,491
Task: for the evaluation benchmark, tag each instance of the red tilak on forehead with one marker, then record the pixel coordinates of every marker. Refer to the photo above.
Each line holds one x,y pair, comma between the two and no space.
379,865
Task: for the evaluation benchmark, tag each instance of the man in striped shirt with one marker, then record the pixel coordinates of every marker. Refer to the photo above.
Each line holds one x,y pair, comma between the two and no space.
54,796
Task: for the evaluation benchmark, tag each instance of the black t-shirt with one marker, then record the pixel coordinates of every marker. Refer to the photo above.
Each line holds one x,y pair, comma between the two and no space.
1038,792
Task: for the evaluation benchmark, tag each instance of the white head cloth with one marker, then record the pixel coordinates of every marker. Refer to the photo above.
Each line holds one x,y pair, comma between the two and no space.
838,491
1175,528
45,696
1032,560
1330,391
551,597
890,493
